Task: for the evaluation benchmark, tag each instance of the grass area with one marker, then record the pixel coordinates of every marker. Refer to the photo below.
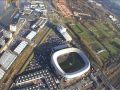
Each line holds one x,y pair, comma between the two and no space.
96,46
26,64
103,55
81,31
104,33
87,37
117,40
111,48
116,43
71,63
55,21
77,28
18,63
37,37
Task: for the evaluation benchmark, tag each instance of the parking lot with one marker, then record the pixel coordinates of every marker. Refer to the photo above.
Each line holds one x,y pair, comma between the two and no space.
40,66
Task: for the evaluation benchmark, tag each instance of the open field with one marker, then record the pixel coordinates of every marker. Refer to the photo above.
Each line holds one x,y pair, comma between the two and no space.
101,33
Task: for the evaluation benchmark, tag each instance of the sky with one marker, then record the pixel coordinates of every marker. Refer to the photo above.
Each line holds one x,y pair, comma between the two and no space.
116,2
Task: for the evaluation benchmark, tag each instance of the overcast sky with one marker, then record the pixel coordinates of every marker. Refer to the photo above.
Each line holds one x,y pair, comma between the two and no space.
116,2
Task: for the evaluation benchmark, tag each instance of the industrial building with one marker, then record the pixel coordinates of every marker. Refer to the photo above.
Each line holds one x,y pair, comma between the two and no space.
4,36
20,47
2,41
71,74
1,73
5,39
113,18
16,27
36,5
40,23
31,35
63,31
7,59
39,6
7,34
13,28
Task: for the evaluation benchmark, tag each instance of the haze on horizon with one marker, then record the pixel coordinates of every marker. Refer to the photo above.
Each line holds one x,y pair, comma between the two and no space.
117,2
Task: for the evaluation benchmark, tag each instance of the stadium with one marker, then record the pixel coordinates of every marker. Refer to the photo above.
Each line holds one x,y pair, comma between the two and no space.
70,62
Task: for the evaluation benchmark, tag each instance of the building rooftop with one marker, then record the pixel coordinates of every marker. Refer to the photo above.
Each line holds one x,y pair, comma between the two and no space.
61,29
31,35
7,59
40,23
21,47
1,73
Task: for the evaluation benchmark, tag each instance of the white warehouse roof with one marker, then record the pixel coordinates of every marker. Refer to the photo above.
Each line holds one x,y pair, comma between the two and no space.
64,33
67,36
1,73
31,35
40,23
7,59
21,47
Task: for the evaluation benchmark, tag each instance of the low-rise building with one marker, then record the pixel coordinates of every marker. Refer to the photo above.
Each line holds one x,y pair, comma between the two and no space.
16,27
7,59
40,23
39,6
112,18
2,41
63,31
13,28
7,34
31,35
1,73
5,39
20,47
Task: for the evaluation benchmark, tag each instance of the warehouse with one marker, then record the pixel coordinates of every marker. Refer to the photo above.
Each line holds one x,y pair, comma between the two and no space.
1,73
7,59
39,6
31,35
21,47
40,23
64,33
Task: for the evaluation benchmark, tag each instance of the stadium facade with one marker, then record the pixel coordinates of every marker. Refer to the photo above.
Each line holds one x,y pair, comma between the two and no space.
74,74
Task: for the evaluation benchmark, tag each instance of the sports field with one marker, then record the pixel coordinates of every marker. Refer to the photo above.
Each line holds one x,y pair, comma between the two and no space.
70,62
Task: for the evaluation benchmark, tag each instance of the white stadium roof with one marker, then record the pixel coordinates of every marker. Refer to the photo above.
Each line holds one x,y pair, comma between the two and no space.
21,47
75,73
7,59
31,35
1,73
